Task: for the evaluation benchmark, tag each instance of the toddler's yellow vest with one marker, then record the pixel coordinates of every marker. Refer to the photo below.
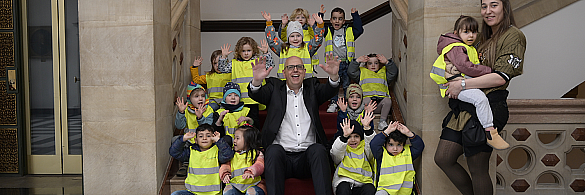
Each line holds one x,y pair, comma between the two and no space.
242,74
374,83
215,84
355,164
239,164
397,173
302,53
230,120
349,43
192,123
203,174
438,70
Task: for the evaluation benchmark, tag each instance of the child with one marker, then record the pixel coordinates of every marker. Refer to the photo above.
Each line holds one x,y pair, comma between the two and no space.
355,110
302,16
295,46
375,81
457,60
203,157
241,68
232,113
214,79
392,153
352,155
243,172
340,41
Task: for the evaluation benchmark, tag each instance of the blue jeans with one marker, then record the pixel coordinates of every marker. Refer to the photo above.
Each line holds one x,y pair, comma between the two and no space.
182,192
344,78
234,191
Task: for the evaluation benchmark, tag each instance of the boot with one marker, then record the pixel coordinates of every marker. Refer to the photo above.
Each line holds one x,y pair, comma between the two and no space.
495,141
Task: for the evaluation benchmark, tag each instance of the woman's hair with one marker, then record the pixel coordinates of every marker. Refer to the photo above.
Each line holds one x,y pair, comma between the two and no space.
243,41
466,23
213,56
396,136
489,39
251,137
299,11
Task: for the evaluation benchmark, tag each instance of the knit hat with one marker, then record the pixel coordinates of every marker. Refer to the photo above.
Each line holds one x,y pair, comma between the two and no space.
354,88
231,87
357,128
192,86
294,26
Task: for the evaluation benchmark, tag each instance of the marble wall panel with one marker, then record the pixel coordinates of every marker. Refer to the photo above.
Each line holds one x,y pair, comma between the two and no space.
109,10
115,103
129,131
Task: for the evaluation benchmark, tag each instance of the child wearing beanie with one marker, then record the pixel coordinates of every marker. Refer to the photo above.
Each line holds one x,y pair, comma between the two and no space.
232,113
353,108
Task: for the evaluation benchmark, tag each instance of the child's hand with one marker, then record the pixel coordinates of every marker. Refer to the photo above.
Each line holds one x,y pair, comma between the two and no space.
222,114
393,125
342,104
216,136
346,127
310,21
227,178
247,175
353,10
197,61
244,118
263,46
367,118
383,60
331,66
266,16
404,130
181,104
322,10
199,110
189,135
225,50
284,19
362,59
318,19
371,106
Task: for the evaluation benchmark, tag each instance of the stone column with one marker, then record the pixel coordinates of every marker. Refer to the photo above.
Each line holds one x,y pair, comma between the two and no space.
427,20
126,94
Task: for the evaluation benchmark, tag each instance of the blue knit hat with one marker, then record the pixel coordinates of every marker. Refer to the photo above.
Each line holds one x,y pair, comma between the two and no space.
231,87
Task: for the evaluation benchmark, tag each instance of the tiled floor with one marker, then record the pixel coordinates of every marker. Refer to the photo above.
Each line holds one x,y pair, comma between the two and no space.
42,184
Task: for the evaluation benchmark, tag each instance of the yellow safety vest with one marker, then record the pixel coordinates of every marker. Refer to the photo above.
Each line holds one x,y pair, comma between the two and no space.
230,120
359,118
397,173
203,174
239,164
215,84
355,164
302,53
192,123
374,83
349,43
438,70
242,74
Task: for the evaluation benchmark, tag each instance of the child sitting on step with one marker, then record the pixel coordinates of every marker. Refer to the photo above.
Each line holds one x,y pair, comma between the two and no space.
395,172
214,79
232,113
242,173
354,108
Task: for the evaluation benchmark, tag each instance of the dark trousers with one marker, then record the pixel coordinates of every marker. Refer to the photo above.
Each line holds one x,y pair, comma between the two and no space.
312,163
345,188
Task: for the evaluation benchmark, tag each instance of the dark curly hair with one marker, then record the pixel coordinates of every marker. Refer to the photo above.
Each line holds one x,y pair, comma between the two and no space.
396,136
251,137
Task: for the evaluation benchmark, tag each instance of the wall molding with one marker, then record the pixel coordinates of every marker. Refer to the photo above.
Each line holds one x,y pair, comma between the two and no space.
541,111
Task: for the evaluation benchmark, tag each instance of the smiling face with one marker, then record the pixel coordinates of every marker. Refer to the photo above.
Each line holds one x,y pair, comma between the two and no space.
492,12
354,101
467,36
204,139
394,147
232,99
295,76
373,64
239,143
197,97
353,140
295,39
337,20
247,52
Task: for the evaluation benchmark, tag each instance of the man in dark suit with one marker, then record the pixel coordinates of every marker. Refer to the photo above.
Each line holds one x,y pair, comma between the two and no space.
292,134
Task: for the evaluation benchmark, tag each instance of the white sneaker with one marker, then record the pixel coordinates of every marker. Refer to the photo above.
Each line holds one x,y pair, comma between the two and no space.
382,125
332,107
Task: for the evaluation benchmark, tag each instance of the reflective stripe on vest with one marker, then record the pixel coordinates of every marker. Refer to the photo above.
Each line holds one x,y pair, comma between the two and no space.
192,123
438,69
397,173
239,164
230,120
242,75
355,164
349,43
374,83
302,53
203,175
215,84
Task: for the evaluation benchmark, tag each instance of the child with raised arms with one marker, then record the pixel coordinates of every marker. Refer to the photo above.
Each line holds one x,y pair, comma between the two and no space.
214,79
353,107
232,113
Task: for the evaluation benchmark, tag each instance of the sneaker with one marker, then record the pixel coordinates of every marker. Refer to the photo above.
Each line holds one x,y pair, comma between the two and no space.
332,107
382,125
182,172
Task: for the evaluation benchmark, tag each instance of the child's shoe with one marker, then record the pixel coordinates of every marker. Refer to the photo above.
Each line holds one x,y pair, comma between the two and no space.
382,125
182,172
495,141
332,107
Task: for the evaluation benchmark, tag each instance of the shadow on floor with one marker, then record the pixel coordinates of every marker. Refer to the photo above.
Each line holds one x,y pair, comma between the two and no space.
42,184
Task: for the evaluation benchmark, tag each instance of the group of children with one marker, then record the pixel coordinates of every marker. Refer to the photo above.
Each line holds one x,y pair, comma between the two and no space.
221,145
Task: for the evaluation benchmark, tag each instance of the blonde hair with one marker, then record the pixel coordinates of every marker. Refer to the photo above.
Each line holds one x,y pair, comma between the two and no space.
243,41
299,11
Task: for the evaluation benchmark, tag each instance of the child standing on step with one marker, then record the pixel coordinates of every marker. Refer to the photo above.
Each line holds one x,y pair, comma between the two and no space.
375,81
395,172
247,50
354,108
302,16
243,172
232,113
214,79
353,157
207,154
458,60
295,46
